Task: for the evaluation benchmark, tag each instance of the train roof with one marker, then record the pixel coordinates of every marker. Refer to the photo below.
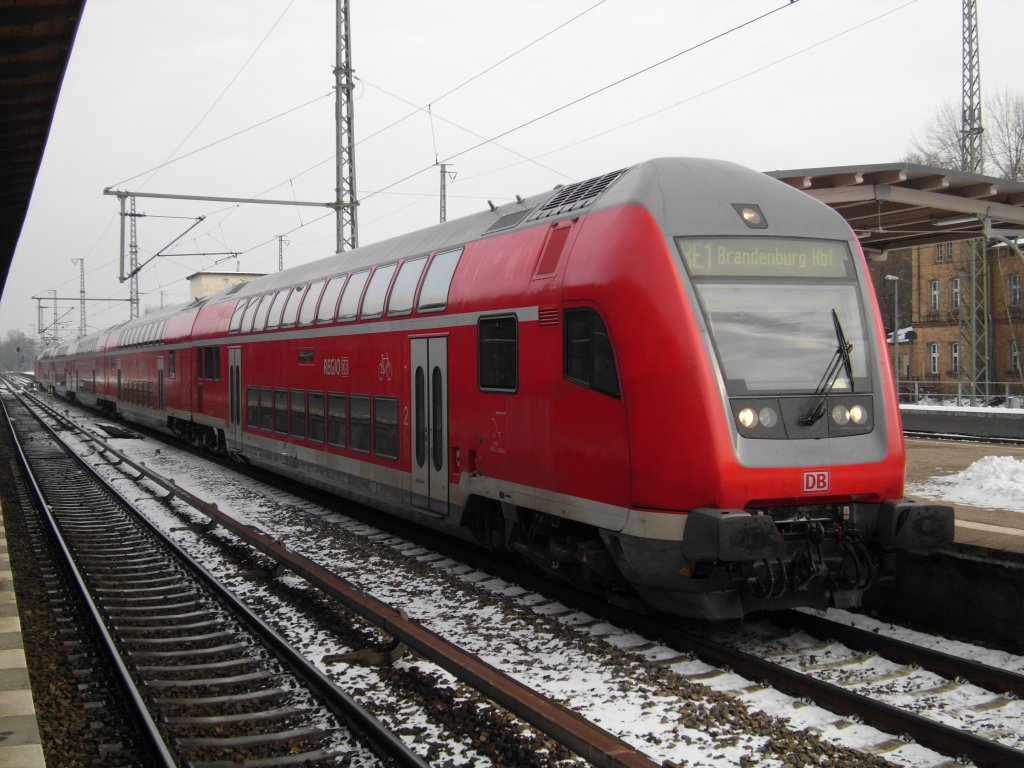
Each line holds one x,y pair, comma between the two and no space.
691,183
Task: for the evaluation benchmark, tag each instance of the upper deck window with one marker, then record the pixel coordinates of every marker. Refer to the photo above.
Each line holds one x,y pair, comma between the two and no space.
250,314
329,301
236,316
260,321
308,310
274,316
373,301
402,295
291,307
438,281
350,299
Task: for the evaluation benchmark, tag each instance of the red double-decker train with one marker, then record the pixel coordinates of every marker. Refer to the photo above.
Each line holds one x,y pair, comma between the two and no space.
669,380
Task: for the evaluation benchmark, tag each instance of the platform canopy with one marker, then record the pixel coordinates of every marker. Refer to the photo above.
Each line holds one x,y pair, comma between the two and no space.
35,43
902,205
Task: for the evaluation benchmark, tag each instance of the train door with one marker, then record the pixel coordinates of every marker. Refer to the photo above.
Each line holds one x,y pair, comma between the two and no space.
160,384
430,424
234,436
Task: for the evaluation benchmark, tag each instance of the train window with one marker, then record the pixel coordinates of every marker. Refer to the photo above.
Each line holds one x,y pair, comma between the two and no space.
359,423
274,316
350,299
171,363
267,409
336,420
308,310
588,358
291,307
385,427
236,316
329,301
213,363
298,410
252,407
373,301
438,281
199,363
498,353
260,322
250,314
315,407
404,292
281,411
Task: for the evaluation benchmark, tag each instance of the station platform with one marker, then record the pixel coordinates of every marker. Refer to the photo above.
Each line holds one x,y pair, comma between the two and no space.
988,528
20,745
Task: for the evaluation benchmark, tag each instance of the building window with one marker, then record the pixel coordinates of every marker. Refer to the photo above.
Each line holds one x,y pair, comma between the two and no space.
385,427
940,252
933,358
954,293
954,357
588,358
498,353
933,295
1014,356
1013,292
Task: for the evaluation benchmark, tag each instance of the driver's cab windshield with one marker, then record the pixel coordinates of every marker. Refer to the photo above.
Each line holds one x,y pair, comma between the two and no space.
768,303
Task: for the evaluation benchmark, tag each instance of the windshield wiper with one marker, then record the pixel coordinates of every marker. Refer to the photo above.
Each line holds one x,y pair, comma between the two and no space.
840,361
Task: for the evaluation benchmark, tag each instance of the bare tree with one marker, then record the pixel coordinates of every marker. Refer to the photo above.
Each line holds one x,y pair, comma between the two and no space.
941,145
1004,138
1004,134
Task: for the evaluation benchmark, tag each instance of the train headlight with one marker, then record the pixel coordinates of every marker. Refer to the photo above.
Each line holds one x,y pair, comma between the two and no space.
858,414
841,415
747,417
767,416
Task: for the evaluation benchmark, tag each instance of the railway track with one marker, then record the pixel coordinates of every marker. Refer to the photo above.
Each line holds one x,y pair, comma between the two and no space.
150,641
721,656
206,677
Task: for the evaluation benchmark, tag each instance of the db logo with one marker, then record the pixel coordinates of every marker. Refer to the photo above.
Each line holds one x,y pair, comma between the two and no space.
816,481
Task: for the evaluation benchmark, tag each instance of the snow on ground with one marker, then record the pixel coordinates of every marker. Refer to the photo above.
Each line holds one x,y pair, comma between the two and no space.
994,482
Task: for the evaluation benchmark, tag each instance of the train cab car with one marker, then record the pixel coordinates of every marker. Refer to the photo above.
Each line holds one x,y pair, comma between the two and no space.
666,381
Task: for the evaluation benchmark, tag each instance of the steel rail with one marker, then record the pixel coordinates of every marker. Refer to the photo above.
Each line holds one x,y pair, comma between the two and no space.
588,740
384,742
944,664
157,744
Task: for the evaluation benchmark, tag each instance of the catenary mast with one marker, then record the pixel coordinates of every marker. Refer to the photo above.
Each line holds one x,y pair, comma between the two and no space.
348,229
973,267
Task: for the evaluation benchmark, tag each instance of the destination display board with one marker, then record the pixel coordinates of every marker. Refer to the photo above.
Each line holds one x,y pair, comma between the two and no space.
769,257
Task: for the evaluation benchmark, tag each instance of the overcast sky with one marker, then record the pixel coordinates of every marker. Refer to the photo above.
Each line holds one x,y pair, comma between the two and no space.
815,83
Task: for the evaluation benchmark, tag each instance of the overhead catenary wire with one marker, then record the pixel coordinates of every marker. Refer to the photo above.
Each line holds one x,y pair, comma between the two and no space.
220,96
591,94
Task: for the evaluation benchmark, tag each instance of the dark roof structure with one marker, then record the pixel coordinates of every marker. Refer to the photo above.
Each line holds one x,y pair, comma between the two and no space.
35,44
902,205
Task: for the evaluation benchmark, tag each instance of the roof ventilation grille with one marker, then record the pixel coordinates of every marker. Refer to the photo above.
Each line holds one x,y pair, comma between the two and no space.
578,195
